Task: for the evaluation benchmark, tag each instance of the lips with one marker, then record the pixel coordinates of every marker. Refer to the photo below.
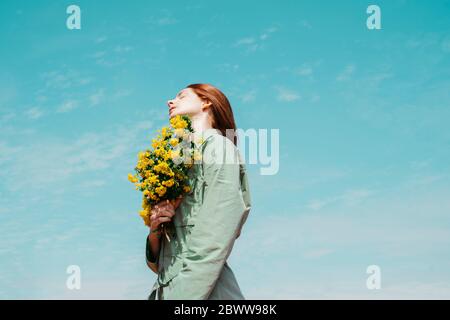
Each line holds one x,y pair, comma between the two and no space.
171,108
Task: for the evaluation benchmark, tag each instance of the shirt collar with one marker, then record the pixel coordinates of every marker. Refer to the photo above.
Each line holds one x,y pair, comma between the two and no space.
204,135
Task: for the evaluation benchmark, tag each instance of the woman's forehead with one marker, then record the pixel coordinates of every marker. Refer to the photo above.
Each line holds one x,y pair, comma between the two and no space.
182,91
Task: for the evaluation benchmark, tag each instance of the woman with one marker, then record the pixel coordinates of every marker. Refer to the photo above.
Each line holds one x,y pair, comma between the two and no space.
192,262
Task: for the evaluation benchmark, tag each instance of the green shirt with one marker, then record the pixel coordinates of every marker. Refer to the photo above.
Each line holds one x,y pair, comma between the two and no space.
193,264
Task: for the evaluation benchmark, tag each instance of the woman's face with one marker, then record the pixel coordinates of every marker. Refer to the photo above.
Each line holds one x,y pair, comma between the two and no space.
186,102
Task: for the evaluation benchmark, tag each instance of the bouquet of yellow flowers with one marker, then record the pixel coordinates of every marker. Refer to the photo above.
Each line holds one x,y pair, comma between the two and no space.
162,171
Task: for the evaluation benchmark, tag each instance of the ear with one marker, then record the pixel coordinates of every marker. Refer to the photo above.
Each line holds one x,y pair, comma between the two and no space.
206,105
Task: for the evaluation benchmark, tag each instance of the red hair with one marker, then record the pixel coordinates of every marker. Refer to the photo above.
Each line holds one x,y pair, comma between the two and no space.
220,109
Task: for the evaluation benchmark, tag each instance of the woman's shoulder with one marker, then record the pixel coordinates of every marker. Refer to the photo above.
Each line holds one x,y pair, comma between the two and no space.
218,147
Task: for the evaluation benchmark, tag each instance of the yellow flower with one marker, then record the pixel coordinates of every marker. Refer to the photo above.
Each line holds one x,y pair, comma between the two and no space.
155,173
179,132
165,132
161,167
164,166
174,120
143,156
154,197
161,190
138,185
160,152
181,124
155,143
132,178
153,179
168,155
146,205
146,216
142,164
178,123
168,183
174,141
175,155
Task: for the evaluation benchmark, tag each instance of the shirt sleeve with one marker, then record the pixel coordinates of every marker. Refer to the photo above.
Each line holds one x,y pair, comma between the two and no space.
152,260
216,225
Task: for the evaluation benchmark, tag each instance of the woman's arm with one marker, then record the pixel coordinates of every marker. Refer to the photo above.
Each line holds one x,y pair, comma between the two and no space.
161,212
216,224
152,250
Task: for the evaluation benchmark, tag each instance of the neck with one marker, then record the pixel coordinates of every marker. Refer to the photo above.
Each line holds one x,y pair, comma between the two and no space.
200,123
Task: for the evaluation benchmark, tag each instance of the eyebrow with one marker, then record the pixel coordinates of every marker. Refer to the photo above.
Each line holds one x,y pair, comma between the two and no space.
179,93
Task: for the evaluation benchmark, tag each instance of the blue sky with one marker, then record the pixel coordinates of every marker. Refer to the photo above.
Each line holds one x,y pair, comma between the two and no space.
363,116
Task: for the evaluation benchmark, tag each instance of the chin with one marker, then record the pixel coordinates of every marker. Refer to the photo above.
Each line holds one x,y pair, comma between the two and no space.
177,114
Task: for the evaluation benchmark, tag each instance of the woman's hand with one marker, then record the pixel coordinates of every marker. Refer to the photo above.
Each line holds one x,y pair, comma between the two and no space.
160,213
163,212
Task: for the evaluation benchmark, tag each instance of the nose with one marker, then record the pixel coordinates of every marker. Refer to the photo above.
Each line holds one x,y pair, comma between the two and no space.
170,103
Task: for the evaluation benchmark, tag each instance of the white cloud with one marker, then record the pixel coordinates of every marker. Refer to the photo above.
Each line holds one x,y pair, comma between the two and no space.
304,70
7,116
305,24
164,21
254,43
134,288
122,93
315,98
420,164
249,42
67,106
101,39
417,180
64,79
402,225
350,197
94,184
123,49
34,113
287,95
98,54
317,253
97,97
346,73
325,254
164,18
228,67
303,288
266,33
245,41
446,45
248,96
54,162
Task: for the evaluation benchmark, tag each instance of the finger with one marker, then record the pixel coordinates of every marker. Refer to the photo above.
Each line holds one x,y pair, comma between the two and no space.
163,219
167,212
169,205
159,208
162,205
178,201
